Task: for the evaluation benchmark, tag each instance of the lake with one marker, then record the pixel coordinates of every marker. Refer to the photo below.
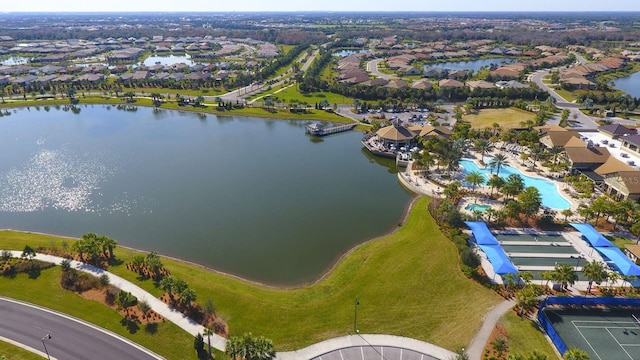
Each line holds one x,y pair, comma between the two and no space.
168,60
629,84
249,196
474,65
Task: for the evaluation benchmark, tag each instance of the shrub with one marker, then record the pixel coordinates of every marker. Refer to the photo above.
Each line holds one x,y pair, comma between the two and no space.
470,258
6,255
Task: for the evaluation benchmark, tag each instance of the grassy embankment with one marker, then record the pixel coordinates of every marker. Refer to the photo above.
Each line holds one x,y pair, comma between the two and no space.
408,283
524,336
247,111
507,118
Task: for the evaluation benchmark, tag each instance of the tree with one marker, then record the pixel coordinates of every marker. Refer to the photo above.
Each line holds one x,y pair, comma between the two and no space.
474,178
167,284
198,344
187,296
483,146
233,347
264,349
144,307
576,354
514,185
495,182
123,301
208,332
28,253
565,275
635,230
548,276
594,271
497,162
566,213
526,300
530,201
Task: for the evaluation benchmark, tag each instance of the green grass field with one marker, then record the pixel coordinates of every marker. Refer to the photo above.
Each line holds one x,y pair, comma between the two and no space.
507,118
524,336
408,283
11,352
292,94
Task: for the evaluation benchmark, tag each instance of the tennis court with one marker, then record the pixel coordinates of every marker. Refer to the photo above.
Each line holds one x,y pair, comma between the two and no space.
605,333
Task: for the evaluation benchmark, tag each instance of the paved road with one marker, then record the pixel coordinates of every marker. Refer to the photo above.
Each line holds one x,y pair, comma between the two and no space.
71,339
583,121
372,68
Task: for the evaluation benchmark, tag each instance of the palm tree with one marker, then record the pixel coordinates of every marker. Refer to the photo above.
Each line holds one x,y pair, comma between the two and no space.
576,354
167,284
530,201
187,296
264,349
612,278
483,146
233,347
498,161
548,276
566,213
495,182
208,332
565,275
536,152
594,271
555,151
475,178
514,185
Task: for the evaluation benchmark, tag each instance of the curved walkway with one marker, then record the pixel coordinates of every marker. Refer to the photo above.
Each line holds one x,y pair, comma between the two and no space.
491,319
336,345
354,347
156,304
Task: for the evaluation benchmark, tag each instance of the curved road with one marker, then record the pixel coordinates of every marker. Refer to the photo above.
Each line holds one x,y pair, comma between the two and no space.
372,67
71,339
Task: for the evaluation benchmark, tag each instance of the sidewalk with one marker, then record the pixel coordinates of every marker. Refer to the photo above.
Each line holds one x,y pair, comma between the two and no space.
480,340
158,306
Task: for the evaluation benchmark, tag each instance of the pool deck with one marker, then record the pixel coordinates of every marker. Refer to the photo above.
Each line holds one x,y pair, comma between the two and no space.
420,183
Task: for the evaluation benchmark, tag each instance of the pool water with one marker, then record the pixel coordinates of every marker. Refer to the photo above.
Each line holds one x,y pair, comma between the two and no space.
549,193
476,207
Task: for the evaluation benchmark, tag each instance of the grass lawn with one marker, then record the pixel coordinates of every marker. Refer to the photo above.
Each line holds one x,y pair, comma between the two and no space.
620,242
408,283
173,92
570,96
12,352
168,341
507,118
292,93
524,336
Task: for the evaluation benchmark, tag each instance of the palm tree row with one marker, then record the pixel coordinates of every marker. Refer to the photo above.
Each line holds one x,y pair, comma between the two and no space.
180,288
94,248
249,347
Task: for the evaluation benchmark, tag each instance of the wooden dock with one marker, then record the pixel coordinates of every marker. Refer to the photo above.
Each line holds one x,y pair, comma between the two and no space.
318,129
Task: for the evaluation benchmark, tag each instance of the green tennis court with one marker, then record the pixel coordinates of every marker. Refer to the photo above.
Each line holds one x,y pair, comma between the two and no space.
606,334
546,249
545,261
530,237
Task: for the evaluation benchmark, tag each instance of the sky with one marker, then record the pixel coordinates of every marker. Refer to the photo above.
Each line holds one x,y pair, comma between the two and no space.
315,5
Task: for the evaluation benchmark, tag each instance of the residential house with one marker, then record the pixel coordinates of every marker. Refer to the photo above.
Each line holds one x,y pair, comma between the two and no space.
450,83
480,84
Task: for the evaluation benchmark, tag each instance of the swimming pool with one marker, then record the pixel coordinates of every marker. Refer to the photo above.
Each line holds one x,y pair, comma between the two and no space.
549,193
476,207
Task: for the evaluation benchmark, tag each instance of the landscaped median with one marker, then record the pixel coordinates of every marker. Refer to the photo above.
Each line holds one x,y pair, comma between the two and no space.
407,283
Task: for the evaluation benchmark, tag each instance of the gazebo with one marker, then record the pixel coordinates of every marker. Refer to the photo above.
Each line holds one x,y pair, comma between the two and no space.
397,135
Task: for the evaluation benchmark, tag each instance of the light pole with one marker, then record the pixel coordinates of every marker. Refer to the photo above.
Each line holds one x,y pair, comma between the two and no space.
48,336
355,316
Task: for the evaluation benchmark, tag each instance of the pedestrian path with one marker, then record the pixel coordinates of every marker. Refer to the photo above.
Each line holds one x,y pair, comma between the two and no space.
491,319
169,313
314,351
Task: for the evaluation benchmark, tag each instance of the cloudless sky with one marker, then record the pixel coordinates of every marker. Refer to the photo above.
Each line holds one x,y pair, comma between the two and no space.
317,5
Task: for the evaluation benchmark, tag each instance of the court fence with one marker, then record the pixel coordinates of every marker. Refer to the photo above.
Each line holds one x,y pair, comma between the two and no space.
577,301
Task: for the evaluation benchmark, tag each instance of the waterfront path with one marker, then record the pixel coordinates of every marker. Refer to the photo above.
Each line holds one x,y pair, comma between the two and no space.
343,346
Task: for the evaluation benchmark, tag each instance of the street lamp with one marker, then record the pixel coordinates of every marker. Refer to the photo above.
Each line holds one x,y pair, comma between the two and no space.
48,336
355,316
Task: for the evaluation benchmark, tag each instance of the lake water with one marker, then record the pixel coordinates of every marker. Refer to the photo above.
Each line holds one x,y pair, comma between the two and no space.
249,196
474,65
168,60
629,84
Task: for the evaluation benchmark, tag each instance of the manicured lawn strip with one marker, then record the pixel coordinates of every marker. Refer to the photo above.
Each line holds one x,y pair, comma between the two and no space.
12,352
507,118
169,340
408,283
292,94
173,92
524,336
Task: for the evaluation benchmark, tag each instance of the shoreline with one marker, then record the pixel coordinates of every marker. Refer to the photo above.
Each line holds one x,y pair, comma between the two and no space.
322,276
